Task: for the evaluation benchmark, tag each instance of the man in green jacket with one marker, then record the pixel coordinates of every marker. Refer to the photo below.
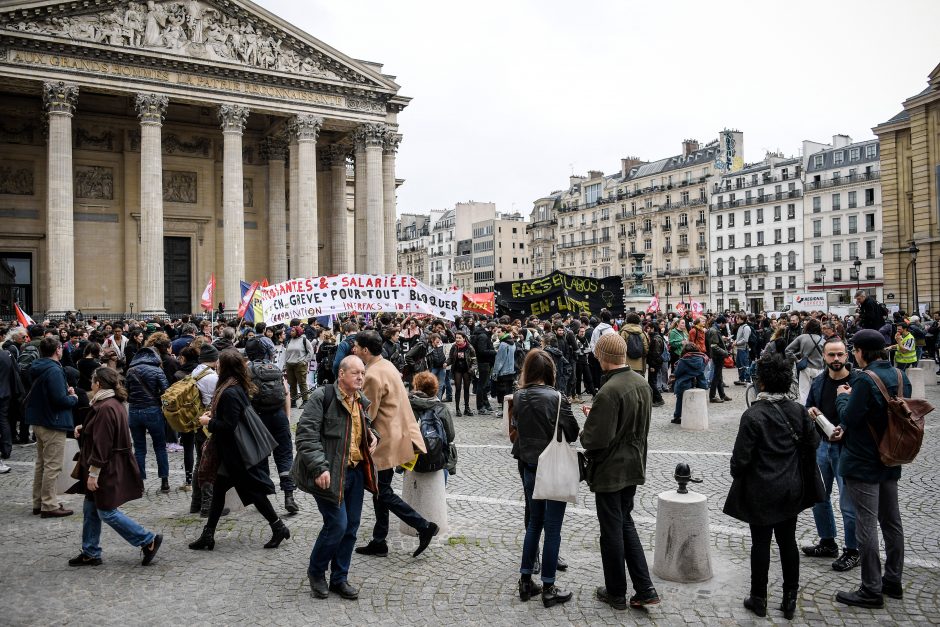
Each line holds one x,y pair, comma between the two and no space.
614,437
335,442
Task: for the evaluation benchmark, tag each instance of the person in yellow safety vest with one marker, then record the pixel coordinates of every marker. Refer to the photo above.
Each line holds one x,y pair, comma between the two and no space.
906,347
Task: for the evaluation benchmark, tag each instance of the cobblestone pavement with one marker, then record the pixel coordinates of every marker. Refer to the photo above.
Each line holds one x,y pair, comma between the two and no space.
467,578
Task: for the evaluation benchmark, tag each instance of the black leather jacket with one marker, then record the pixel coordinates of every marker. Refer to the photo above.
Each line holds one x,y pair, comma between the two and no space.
533,415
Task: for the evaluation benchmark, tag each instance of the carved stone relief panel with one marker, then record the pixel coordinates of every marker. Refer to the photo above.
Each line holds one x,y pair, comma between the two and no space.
19,131
95,139
179,186
17,178
174,144
94,182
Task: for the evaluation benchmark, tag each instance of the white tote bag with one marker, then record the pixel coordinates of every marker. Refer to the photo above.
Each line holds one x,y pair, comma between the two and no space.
557,477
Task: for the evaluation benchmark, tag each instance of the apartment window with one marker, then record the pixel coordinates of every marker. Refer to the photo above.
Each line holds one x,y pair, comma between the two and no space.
870,151
760,238
853,250
731,285
853,200
817,161
718,221
747,239
817,253
870,249
837,274
837,226
817,204
837,252
731,219
647,225
731,241
777,213
720,266
684,239
777,237
792,282
791,234
778,283
869,223
760,215
853,224
648,244
719,242
836,202
747,217
817,228
838,157
685,197
853,154
785,174
649,203
869,196
791,211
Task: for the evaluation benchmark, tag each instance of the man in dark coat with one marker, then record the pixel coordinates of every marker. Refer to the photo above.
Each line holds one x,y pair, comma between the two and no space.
11,390
872,486
482,342
869,313
615,438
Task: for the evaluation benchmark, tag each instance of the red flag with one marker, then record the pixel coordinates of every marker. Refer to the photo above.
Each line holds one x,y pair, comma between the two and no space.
22,316
246,300
264,282
208,293
654,304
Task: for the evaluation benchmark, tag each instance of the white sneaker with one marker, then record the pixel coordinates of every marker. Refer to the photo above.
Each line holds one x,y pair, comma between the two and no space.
4,469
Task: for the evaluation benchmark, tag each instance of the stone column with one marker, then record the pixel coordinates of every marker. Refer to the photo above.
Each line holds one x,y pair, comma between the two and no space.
374,140
360,200
275,150
306,129
340,262
233,118
150,272
59,101
388,198
293,195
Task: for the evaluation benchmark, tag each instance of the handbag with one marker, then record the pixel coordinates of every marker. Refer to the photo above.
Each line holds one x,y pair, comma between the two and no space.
814,491
803,364
558,474
208,463
253,439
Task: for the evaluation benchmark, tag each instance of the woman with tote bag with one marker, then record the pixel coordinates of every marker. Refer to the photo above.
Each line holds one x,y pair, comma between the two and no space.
541,415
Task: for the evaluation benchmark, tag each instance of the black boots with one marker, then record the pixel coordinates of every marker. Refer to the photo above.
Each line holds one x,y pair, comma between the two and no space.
206,541
788,606
528,589
206,500
165,485
466,411
289,503
553,595
279,532
756,605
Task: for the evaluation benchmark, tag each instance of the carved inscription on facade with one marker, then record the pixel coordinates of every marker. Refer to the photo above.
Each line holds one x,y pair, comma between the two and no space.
179,186
94,182
16,178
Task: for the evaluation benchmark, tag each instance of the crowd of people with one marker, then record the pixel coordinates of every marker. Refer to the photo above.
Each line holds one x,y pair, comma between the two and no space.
382,393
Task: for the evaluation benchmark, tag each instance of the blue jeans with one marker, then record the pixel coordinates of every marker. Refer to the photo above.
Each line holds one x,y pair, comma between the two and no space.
547,515
143,420
447,390
125,526
337,538
440,374
827,458
709,372
743,364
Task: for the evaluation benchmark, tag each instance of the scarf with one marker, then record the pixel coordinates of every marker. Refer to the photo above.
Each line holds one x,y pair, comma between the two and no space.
101,395
773,398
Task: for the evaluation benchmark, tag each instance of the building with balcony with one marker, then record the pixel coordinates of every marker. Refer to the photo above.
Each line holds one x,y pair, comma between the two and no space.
499,252
842,219
756,236
541,231
442,246
413,231
909,149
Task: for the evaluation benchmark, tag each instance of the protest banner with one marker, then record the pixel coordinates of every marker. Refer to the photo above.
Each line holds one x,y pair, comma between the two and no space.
559,293
479,303
363,293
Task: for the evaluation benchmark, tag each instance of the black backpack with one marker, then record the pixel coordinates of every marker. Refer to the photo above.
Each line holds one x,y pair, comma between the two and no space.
328,352
435,442
25,361
634,345
269,380
754,343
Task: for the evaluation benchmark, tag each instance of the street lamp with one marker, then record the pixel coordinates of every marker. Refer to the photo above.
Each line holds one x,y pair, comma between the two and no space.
913,250
858,271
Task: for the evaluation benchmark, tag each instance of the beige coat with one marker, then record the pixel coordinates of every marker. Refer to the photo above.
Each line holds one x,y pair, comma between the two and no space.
392,416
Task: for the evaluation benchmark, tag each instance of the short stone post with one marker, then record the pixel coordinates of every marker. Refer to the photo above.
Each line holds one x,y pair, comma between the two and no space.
65,481
929,366
682,551
695,410
916,376
426,493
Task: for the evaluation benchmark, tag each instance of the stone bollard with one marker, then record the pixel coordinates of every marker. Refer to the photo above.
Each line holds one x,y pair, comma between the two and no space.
916,376
233,502
929,366
426,493
65,481
695,409
682,543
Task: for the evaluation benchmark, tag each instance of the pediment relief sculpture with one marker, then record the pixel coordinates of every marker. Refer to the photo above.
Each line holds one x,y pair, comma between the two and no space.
189,28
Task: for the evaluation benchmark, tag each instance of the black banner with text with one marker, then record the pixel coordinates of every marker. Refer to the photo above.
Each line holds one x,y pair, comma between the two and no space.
559,293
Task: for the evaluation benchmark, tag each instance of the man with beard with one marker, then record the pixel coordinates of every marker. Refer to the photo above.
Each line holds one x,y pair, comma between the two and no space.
822,400
793,329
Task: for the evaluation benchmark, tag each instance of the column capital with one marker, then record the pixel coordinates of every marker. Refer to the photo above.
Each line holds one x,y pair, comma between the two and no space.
305,126
59,97
274,148
151,108
392,140
370,135
233,117
338,153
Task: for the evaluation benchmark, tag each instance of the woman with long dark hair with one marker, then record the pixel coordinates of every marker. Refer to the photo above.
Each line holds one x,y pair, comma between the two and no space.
463,363
253,485
107,472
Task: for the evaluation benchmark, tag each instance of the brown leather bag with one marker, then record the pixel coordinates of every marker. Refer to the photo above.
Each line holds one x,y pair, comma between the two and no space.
904,434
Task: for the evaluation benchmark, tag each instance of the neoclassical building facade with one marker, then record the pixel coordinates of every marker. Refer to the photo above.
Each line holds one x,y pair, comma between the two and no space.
145,146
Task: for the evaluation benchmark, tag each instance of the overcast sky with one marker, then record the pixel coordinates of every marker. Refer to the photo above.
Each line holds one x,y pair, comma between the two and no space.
512,96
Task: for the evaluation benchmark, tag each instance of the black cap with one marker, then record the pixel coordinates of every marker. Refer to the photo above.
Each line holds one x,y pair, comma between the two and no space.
868,340
208,354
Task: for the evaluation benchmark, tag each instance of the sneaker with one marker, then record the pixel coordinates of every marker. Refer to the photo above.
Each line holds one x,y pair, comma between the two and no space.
642,599
83,560
4,469
716,400
848,560
822,549
150,550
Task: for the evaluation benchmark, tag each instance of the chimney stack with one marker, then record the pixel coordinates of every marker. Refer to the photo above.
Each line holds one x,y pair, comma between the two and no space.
689,146
627,164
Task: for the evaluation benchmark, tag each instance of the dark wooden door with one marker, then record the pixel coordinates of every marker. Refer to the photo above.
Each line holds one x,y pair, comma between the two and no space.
177,273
